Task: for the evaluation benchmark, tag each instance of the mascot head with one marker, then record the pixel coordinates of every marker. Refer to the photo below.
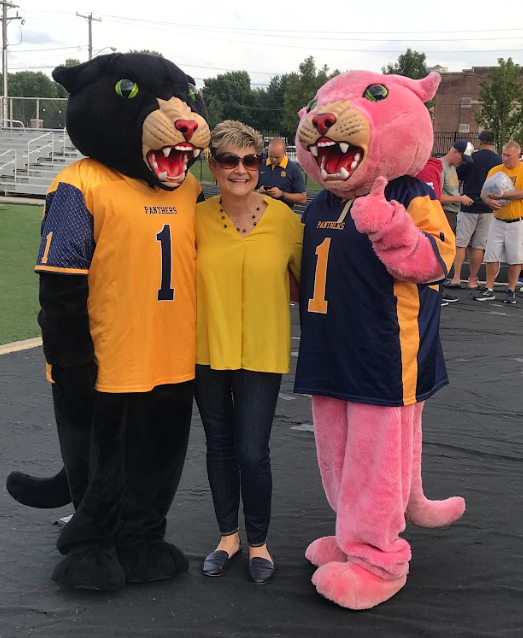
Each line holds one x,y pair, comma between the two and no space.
363,125
139,114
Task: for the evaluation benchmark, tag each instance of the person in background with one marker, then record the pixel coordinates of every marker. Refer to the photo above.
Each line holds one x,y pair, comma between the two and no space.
280,178
431,174
247,244
505,236
474,219
460,153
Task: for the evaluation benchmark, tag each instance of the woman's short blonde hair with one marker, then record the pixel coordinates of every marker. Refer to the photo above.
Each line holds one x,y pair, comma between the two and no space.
233,133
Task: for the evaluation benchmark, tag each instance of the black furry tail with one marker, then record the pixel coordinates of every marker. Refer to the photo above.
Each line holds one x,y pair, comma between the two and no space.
39,492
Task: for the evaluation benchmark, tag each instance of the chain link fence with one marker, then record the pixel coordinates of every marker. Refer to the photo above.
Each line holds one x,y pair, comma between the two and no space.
34,112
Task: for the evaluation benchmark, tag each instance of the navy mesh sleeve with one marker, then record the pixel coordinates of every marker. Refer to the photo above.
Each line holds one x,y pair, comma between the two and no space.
67,244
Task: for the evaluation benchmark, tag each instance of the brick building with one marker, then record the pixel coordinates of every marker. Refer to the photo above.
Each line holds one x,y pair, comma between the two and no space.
457,101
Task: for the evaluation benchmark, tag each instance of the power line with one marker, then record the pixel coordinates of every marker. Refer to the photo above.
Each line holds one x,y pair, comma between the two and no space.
312,48
78,46
329,32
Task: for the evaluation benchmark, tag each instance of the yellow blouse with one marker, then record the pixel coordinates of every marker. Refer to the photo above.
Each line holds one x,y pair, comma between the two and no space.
243,314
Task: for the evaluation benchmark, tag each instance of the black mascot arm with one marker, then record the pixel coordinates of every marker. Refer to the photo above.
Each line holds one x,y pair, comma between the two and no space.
64,319
67,342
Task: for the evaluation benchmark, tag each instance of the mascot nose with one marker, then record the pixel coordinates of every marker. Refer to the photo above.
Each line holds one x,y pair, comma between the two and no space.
186,128
323,122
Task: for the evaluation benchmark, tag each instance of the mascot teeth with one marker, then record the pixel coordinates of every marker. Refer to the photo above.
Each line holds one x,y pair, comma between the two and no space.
336,160
196,152
166,151
162,176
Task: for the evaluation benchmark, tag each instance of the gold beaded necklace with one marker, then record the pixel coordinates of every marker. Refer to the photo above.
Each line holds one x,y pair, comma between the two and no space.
243,230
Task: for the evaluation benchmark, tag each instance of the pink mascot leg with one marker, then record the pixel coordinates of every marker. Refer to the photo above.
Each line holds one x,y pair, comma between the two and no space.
421,511
330,431
372,498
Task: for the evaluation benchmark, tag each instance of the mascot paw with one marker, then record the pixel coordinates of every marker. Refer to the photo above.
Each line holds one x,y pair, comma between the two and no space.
324,550
371,212
155,560
354,587
94,568
436,513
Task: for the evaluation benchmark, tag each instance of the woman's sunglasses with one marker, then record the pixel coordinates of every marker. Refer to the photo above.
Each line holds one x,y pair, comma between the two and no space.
231,160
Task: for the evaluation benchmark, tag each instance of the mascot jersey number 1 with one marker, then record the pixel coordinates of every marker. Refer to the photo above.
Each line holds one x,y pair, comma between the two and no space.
376,243
118,316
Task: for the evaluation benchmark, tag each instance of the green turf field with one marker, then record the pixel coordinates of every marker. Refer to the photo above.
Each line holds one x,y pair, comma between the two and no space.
19,241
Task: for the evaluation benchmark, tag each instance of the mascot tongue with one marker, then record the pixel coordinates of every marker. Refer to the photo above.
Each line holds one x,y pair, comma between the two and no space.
170,163
336,159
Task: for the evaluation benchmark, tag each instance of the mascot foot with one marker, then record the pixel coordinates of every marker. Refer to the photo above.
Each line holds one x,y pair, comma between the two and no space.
354,587
90,567
324,550
435,513
155,560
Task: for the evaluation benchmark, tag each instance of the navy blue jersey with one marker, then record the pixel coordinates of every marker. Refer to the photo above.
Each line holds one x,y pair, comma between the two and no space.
366,336
473,175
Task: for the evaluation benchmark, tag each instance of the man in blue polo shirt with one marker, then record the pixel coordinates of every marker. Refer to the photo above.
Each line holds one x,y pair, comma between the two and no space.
280,178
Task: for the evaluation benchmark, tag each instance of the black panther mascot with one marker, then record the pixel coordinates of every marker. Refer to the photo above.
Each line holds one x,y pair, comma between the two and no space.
118,315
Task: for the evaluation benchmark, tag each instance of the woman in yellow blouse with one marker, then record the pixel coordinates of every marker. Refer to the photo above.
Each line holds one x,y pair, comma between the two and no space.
247,243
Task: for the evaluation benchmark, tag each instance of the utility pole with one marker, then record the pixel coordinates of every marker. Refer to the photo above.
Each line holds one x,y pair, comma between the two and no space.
5,21
90,19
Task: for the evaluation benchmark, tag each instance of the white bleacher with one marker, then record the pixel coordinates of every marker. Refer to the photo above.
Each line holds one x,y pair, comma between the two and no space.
31,158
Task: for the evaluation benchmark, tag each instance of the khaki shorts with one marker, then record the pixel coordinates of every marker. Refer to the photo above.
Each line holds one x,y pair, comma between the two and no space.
472,229
505,242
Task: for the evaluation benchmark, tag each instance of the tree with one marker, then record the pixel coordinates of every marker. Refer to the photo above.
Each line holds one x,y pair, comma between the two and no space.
150,51
300,88
229,96
269,111
501,98
411,64
71,62
31,84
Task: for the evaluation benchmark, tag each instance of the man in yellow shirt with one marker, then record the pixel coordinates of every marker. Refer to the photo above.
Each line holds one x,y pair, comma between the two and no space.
505,238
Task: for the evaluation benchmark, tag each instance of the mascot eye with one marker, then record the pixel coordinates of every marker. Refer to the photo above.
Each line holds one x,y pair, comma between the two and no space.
193,92
126,88
312,104
376,92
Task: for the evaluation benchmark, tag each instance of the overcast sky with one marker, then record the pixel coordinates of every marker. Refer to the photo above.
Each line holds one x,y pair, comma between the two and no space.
206,37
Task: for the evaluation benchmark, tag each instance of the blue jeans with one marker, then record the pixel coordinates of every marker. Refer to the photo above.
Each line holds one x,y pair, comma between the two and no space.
237,409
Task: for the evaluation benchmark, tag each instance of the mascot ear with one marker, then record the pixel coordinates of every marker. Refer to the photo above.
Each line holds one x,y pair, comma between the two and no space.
425,89
74,78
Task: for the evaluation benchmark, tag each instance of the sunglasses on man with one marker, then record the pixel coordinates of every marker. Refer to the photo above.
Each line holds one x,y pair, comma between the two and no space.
251,162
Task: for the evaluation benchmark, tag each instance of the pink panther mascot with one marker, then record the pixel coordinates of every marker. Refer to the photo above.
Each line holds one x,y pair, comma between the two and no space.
376,245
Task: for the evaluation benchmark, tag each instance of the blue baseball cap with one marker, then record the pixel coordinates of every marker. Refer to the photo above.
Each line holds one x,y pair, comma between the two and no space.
466,149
